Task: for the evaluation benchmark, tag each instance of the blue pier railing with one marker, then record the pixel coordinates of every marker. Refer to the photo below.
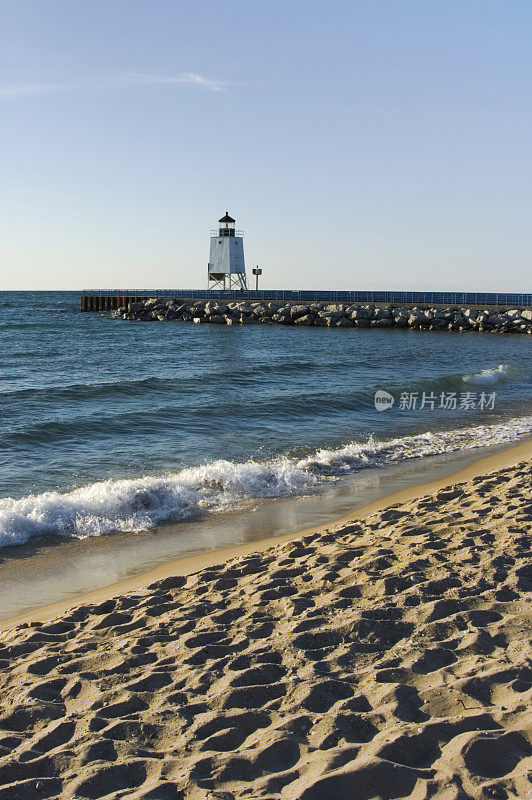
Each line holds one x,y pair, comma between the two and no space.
506,299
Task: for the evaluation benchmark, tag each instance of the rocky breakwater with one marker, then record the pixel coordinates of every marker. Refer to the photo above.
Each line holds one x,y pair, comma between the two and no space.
331,315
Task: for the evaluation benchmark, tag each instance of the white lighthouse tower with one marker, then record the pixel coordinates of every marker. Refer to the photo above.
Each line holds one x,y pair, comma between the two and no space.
227,269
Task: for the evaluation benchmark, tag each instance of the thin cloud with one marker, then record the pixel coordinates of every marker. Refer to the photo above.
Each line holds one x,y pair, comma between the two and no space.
114,82
186,79
27,90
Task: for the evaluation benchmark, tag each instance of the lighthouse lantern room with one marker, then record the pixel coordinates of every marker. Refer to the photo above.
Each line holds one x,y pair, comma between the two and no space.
227,269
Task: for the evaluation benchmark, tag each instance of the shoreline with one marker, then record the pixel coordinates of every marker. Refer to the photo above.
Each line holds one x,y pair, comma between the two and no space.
392,650
192,564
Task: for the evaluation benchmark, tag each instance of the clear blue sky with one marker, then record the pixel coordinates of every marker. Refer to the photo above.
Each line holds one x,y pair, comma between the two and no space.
359,144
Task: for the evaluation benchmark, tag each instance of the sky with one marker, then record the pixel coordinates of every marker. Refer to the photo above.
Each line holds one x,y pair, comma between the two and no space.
365,144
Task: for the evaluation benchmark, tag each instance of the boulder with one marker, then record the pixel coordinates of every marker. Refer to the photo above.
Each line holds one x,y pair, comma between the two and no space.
415,318
306,319
283,311
282,319
362,312
299,311
259,310
330,315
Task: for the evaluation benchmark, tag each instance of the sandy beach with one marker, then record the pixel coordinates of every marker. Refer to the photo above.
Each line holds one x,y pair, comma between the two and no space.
383,656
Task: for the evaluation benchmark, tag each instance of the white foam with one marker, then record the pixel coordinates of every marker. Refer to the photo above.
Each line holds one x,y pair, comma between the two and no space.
142,503
488,377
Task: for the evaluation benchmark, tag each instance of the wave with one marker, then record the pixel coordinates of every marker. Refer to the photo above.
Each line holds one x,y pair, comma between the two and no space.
489,377
142,503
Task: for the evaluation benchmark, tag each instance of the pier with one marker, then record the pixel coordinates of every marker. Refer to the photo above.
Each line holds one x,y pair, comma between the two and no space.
112,299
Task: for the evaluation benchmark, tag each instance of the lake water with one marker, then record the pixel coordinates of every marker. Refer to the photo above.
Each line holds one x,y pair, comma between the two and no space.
116,427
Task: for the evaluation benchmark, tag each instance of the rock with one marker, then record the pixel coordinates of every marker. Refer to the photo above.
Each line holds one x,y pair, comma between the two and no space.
307,319
259,310
322,314
362,313
284,311
330,315
299,311
282,319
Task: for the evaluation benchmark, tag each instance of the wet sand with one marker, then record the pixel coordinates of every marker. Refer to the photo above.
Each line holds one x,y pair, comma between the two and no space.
382,656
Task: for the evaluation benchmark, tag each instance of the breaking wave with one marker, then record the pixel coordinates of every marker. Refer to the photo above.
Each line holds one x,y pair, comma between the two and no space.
489,377
142,503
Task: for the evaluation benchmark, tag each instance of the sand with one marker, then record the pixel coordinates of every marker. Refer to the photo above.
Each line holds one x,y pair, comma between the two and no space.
381,657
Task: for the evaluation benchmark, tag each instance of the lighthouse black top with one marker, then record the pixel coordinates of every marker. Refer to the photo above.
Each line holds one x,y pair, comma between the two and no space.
227,218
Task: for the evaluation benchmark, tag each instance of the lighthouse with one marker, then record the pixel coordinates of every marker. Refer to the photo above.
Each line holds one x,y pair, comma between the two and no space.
227,269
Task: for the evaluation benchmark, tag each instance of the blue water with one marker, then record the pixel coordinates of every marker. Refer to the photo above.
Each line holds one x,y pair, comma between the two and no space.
112,425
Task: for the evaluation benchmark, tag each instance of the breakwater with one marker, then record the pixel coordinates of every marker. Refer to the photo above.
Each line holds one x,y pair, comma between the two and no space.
111,299
322,314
